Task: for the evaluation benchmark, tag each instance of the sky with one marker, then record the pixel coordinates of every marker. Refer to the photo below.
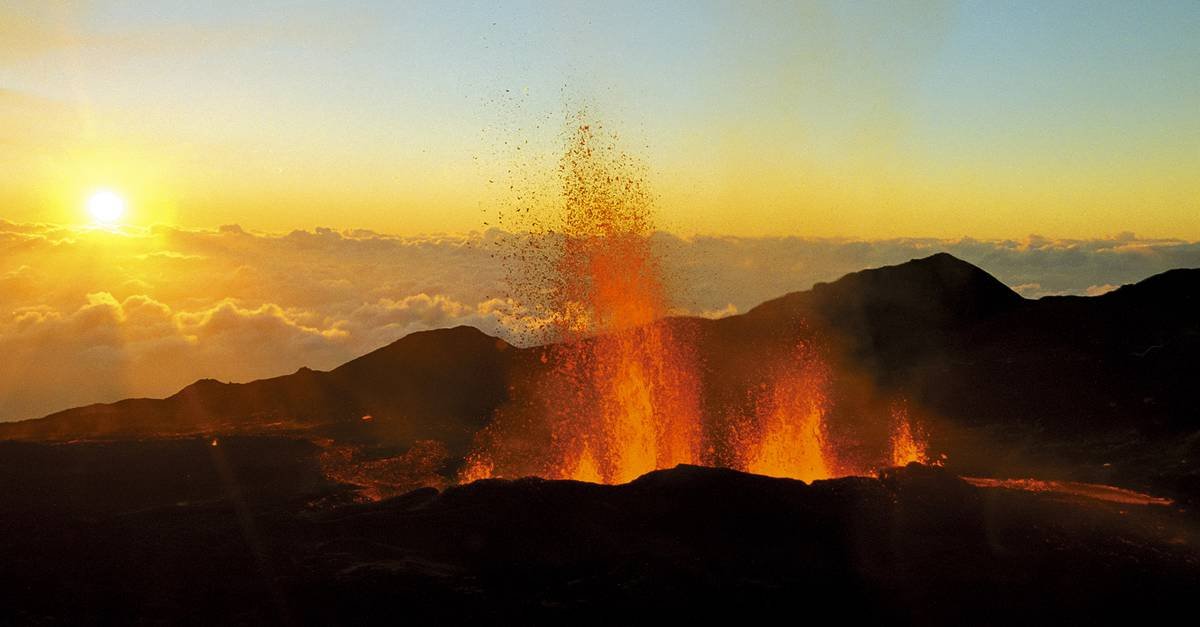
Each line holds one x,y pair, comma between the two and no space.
308,181
841,119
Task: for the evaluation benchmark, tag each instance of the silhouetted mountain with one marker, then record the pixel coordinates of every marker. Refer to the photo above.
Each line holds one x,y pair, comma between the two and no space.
1004,379
936,292
438,385
960,344
873,326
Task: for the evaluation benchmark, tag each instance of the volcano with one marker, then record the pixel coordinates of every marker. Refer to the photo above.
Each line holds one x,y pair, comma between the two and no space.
1100,381
331,496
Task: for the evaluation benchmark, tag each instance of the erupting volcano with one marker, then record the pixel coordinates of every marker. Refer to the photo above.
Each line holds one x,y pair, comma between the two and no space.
359,313
620,393
638,410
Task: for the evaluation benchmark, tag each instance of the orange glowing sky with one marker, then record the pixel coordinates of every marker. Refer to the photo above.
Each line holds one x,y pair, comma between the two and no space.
992,120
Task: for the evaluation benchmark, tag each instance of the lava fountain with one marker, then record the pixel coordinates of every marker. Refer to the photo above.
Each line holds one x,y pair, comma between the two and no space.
644,410
908,443
620,390
787,437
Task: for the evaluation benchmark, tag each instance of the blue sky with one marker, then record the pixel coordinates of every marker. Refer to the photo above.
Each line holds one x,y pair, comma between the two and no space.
967,118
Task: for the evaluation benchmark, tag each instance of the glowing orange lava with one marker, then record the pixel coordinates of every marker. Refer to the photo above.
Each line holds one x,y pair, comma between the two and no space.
1096,491
788,436
620,394
478,466
908,442
377,478
643,410
616,390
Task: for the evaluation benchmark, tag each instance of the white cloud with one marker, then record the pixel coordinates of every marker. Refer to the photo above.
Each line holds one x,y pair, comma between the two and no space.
88,316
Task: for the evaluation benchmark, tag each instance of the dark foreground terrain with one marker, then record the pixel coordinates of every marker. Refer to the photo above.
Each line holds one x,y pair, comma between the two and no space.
250,532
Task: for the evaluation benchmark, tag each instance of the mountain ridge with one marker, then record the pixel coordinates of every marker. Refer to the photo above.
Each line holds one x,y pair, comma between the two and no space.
885,323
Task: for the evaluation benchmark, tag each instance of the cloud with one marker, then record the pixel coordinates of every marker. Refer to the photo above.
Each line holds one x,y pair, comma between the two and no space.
91,315
110,347
1098,290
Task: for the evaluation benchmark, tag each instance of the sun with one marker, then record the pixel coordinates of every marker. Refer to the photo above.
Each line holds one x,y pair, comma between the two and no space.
105,206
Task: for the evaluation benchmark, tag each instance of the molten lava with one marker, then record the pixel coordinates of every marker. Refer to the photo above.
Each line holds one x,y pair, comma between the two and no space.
788,436
1095,491
620,393
478,466
378,477
617,392
642,412
907,440
645,409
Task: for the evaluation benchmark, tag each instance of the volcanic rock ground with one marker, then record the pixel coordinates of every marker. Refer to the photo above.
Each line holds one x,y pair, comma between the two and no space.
250,532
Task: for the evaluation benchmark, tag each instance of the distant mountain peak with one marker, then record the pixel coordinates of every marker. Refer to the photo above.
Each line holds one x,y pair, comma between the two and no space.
460,342
941,270
940,289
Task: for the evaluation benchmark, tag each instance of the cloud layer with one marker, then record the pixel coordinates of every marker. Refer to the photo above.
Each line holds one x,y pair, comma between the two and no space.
91,315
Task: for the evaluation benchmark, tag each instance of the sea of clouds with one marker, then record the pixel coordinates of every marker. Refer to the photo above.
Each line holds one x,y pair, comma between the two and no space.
94,316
